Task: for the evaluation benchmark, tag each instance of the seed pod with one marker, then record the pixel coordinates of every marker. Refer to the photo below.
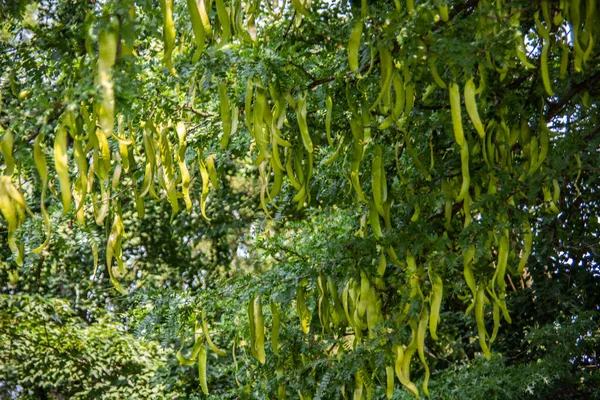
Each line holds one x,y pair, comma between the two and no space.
61,161
528,239
168,34
224,20
217,350
9,212
436,301
421,331
197,27
205,180
225,115
202,369
456,114
113,246
354,45
107,46
328,109
434,72
301,115
275,328
376,180
259,329
389,372
302,310
479,304
40,164
404,380
471,105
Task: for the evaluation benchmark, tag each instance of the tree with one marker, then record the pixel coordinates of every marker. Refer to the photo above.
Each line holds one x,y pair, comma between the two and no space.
417,180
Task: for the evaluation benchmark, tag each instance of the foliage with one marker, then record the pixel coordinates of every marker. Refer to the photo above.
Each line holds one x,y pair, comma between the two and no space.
409,187
47,347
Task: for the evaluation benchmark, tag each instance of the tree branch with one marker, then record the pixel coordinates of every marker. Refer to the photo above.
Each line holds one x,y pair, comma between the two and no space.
556,108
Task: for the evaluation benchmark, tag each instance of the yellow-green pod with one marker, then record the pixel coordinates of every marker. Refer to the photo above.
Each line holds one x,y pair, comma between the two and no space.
224,20
252,327
528,239
9,212
421,331
302,125
39,160
328,109
436,302
479,307
225,114
7,149
456,114
168,34
61,161
302,310
202,369
374,220
471,105
205,180
389,390
197,27
404,380
107,46
275,328
354,45
376,179
214,347
259,330
183,169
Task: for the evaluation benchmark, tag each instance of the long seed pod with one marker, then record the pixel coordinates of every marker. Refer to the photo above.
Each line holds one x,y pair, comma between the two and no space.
456,114
168,34
205,180
61,161
40,164
211,344
7,150
471,105
202,369
434,73
436,302
328,108
389,390
466,177
376,184
404,380
259,330
386,62
225,114
302,310
183,169
354,45
252,326
544,69
479,305
224,20
107,46
302,125
421,331
275,329
197,27
528,239
112,249
9,212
